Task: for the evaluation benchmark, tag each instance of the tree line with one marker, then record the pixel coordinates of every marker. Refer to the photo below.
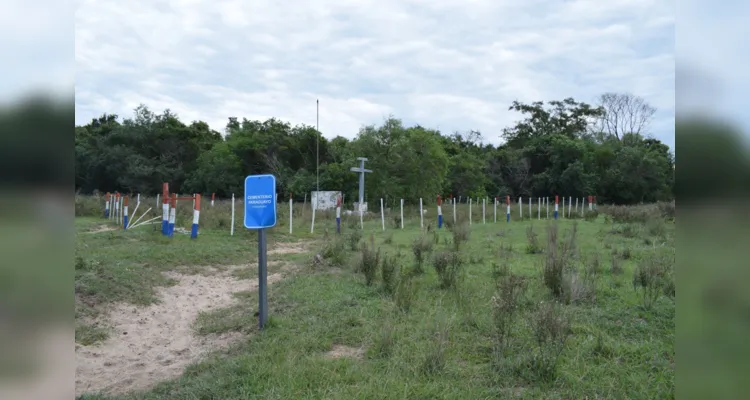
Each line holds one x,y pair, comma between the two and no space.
561,147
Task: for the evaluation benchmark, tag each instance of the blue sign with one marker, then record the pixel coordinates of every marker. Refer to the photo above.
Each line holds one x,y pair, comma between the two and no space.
260,201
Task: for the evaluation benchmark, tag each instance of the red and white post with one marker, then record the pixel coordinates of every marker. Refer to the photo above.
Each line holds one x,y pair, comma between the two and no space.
213,197
106,205
556,201
196,216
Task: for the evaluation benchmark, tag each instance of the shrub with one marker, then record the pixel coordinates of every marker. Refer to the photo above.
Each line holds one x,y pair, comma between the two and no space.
384,343
448,267
505,304
420,248
591,215
577,288
551,327
557,259
389,268
434,361
533,247
388,239
656,227
354,237
653,276
616,265
334,252
369,262
405,292
461,233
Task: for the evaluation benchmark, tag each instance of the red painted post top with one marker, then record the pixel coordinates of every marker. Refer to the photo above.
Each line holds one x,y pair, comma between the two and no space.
165,192
507,200
338,201
198,202
439,201
556,199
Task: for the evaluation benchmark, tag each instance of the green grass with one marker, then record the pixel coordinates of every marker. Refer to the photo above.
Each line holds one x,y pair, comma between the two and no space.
442,347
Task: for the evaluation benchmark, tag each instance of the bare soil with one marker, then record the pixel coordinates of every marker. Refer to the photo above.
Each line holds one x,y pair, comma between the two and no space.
155,343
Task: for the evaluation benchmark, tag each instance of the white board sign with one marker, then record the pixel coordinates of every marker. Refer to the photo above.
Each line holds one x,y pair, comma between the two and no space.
324,200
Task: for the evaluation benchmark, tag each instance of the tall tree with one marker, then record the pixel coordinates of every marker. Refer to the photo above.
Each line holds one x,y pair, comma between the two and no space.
623,113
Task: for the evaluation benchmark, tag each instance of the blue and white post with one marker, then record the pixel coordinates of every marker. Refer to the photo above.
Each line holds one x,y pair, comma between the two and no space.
507,208
172,215
125,213
106,205
440,212
556,199
338,214
165,209
196,217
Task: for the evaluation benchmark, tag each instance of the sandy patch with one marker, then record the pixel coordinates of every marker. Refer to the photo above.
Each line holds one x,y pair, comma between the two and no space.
289,248
155,343
102,228
341,351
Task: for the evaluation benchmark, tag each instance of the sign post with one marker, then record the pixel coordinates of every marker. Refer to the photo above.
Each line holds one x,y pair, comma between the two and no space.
260,213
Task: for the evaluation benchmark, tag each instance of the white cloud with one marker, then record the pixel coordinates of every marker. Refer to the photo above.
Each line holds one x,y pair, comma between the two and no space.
456,65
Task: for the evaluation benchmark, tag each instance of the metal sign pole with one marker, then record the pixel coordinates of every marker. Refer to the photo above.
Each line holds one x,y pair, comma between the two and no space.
262,280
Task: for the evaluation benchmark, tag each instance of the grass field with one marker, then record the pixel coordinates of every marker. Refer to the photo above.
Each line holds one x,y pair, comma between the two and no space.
575,309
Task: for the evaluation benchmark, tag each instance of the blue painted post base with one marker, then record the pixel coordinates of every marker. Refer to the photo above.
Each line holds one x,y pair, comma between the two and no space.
125,222
338,225
440,221
164,227
194,231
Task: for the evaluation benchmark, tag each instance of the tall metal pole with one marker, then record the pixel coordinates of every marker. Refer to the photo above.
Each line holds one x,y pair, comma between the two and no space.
317,150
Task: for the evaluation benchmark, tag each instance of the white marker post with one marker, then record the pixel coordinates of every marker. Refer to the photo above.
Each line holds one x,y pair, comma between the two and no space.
520,207
570,204
421,214
290,212
402,213
382,213
539,208
469,211
314,208
454,211
563,207
484,221
231,226
495,211
530,209
546,202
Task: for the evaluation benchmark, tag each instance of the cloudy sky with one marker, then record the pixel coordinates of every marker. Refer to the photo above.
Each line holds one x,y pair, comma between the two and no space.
451,65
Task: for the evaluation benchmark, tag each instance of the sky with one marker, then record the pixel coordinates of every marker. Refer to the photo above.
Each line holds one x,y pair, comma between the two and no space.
448,65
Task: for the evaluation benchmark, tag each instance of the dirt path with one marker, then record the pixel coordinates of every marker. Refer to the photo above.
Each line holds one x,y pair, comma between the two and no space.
155,343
